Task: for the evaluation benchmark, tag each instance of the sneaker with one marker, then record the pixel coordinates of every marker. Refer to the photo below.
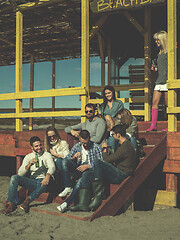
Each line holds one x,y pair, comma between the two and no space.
62,208
9,208
66,191
25,205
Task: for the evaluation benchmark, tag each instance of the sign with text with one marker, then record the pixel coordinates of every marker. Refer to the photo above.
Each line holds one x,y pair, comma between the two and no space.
111,5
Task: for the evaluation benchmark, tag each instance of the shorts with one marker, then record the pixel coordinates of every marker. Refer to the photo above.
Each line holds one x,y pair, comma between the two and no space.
161,88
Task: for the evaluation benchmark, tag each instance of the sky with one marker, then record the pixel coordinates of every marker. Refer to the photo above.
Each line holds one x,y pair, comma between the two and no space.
68,73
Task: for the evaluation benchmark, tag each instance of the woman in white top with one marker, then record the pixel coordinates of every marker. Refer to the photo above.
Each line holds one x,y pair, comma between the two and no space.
55,145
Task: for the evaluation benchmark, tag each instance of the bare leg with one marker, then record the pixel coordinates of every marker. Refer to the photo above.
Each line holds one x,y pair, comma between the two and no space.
166,97
156,98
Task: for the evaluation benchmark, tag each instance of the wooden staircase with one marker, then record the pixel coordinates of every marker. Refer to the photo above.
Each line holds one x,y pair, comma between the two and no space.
155,150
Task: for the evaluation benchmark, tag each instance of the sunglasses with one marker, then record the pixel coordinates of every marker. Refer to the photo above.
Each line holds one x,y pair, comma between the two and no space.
53,136
90,111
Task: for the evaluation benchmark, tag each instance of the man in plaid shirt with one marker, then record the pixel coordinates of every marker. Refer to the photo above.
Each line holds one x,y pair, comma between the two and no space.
80,161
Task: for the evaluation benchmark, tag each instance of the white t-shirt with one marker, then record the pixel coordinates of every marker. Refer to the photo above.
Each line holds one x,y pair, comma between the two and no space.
84,156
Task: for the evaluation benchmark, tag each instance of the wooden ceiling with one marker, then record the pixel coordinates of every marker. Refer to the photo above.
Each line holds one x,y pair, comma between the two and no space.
52,30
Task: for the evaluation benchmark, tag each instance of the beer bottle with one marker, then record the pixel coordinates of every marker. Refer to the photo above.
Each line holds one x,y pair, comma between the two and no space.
37,159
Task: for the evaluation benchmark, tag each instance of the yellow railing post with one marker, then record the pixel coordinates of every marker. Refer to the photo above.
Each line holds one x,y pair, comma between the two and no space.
147,57
53,87
31,102
172,62
19,41
84,52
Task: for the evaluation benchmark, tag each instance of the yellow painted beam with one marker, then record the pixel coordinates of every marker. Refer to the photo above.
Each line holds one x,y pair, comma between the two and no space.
123,87
124,100
19,42
84,52
147,58
53,87
172,61
138,112
31,102
166,198
173,84
42,114
44,93
172,110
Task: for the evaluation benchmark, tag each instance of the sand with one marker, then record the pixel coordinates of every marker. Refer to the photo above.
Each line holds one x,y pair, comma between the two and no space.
160,224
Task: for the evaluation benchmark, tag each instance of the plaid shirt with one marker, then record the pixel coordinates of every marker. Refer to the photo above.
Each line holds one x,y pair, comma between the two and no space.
94,152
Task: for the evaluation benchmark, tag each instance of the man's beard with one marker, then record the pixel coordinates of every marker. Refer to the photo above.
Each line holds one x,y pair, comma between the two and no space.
90,118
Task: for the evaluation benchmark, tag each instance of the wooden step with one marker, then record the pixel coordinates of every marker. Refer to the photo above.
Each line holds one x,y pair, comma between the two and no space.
119,194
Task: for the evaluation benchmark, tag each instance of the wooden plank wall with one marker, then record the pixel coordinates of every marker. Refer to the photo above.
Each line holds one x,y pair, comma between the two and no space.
172,163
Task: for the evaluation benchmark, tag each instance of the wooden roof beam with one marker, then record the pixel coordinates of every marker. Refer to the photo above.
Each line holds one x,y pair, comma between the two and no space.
134,22
98,25
122,61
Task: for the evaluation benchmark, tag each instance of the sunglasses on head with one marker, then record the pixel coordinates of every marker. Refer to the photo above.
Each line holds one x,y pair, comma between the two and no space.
90,111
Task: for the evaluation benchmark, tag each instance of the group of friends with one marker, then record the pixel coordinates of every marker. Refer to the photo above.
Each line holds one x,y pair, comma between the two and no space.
107,152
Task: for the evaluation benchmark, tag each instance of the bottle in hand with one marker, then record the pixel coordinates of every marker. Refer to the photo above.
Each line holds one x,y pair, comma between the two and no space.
37,159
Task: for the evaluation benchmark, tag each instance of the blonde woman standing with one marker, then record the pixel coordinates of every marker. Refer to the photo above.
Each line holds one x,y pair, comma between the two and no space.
160,84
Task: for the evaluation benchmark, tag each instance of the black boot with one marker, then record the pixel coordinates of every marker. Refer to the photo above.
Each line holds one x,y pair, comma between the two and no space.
84,200
97,187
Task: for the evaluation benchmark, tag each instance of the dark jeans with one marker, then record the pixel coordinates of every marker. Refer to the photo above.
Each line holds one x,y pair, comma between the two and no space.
84,179
112,174
58,163
33,185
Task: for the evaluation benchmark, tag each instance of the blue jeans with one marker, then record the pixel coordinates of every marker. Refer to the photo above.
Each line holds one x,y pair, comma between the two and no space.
84,178
58,163
111,143
33,185
112,174
83,182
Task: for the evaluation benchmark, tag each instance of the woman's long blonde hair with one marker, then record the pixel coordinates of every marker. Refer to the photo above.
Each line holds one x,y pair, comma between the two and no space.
163,37
47,144
126,116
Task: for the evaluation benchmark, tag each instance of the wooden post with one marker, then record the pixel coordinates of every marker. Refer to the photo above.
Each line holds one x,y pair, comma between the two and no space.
31,103
84,52
172,62
102,56
53,87
147,57
19,41
171,179
109,61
